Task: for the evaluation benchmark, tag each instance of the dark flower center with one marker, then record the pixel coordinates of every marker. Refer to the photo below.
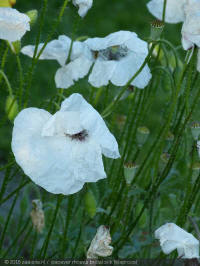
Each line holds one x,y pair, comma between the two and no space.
115,53
81,136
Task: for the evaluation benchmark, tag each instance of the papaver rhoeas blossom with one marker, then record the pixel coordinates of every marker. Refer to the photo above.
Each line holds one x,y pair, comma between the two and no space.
13,24
61,152
84,6
100,245
80,59
191,25
174,10
173,237
117,58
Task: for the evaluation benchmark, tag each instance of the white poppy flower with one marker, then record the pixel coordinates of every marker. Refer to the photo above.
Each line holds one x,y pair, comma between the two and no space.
61,152
81,59
13,24
100,245
173,237
118,57
84,6
174,10
191,25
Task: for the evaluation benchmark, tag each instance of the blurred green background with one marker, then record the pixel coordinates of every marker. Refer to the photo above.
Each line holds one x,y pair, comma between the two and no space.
103,18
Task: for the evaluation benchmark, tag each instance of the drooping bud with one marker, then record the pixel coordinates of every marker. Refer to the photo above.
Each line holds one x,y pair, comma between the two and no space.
157,27
142,135
37,215
130,170
33,15
195,129
90,204
11,107
100,245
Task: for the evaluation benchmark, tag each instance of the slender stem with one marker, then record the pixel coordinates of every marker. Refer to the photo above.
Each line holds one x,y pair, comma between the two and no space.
7,82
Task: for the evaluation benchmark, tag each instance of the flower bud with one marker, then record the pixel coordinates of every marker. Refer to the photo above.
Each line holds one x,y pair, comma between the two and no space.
142,135
130,170
195,129
11,107
33,15
90,204
7,3
157,27
37,215
100,245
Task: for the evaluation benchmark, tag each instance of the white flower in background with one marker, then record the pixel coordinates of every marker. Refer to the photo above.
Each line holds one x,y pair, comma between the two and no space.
100,245
173,237
61,152
191,25
118,57
174,10
13,24
81,59
84,6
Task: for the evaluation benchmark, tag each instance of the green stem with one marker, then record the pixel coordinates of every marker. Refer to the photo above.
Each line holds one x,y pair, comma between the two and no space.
7,82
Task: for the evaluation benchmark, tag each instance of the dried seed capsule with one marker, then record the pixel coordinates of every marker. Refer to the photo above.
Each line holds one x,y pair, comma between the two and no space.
157,27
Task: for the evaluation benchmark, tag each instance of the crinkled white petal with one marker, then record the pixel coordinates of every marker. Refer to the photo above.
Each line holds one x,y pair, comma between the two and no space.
113,39
58,164
127,67
93,123
84,6
13,24
55,50
66,75
102,72
174,10
191,29
173,237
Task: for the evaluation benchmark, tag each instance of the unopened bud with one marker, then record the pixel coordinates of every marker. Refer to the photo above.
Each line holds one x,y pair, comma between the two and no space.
157,27
100,245
195,129
37,215
130,170
11,107
142,135
90,204
33,15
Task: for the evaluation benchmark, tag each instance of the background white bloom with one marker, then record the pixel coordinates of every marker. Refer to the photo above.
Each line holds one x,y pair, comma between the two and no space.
100,245
61,152
81,59
84,6
174,10
13,24
118,57
191,25
173,237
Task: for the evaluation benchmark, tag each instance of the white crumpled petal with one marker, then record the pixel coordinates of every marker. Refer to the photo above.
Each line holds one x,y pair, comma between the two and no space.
119,72
173,237
46,148
191,26
13,24
174,10
84,6
55,50
100,245
93,123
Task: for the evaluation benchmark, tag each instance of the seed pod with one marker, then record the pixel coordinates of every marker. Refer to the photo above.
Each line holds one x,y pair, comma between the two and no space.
142,135
90,204
33,15
157,27
100,245
195,129
130,170
37,215
11,107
